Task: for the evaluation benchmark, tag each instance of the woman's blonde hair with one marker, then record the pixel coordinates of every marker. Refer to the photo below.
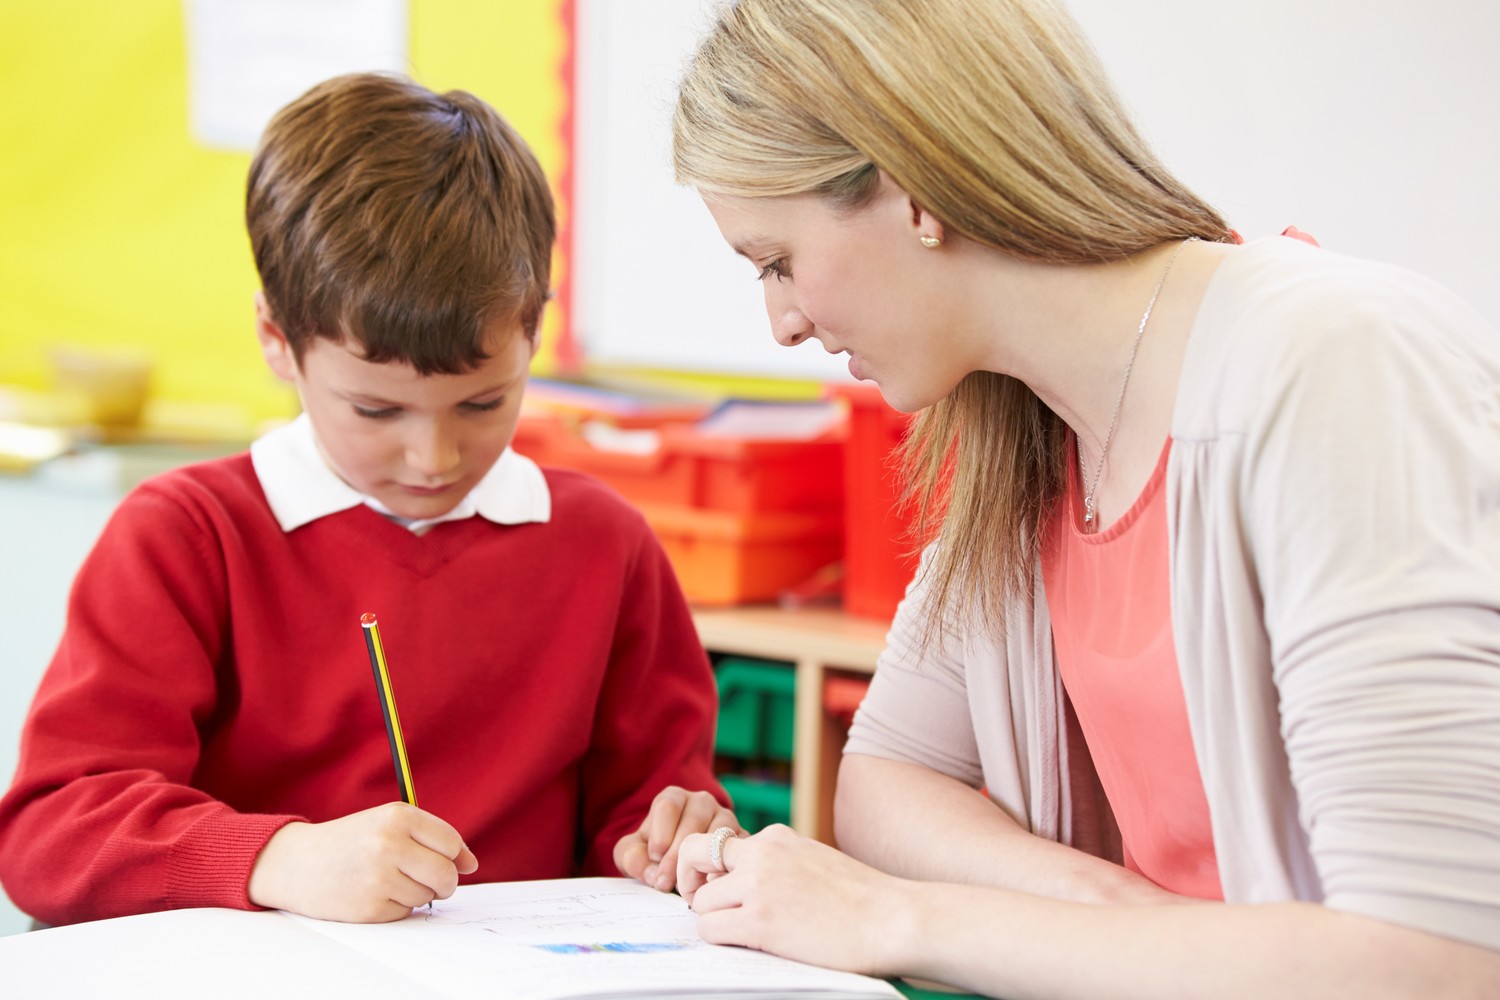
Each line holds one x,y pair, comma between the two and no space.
996,117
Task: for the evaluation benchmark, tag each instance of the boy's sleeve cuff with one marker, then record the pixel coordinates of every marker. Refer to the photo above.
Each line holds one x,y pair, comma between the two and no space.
210,865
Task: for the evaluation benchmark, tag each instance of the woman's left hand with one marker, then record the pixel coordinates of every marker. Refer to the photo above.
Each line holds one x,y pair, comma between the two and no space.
795,897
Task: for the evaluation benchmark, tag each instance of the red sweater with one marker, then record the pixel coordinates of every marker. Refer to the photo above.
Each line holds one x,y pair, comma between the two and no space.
212,685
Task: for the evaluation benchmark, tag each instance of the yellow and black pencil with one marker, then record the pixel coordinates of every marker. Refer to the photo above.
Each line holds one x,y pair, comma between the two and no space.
388,708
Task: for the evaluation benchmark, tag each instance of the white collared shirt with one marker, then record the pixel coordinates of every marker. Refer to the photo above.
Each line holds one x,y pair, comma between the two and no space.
301,487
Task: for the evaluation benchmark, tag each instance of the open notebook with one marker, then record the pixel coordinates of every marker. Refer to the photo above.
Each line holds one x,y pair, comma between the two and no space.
551,940
594,937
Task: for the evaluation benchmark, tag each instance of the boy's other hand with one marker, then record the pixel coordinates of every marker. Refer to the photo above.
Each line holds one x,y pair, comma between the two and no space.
650,854
368,867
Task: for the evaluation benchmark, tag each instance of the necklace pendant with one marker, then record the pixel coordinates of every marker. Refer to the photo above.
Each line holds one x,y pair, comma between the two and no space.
1090,486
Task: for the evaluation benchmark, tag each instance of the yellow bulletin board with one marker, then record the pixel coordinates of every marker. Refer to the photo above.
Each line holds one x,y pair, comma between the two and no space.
119,229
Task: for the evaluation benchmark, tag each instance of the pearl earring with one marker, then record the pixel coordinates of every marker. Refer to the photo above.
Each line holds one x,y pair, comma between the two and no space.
931,242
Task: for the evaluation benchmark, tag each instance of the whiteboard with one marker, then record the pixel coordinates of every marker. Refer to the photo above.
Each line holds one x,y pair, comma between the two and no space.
1371,124
246,61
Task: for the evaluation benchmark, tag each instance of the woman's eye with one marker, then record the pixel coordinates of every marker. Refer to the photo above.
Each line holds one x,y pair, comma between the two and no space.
384,413
777,268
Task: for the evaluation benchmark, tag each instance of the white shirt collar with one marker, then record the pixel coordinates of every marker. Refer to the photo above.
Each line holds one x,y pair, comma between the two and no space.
301,488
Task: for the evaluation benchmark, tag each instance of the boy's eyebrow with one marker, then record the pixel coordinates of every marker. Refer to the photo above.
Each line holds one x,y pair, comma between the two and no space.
502,387
354,396
366,398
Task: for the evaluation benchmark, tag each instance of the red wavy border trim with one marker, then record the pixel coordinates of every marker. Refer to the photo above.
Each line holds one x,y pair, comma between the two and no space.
568,354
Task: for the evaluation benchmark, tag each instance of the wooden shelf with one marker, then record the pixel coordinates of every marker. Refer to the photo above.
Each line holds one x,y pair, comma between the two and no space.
815,641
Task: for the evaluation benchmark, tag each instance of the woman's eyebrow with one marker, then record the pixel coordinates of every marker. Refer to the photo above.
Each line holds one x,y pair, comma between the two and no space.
751,246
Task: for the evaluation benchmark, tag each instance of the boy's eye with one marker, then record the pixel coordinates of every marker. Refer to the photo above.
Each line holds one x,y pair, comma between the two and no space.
776,268
384,413
487,407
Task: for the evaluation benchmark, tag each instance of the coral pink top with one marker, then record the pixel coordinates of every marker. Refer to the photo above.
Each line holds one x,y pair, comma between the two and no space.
1111,613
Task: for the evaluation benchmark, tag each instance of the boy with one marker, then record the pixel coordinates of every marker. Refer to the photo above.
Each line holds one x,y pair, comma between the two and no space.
209,734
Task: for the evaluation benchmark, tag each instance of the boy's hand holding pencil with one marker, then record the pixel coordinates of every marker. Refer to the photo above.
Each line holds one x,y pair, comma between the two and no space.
368,867
371,866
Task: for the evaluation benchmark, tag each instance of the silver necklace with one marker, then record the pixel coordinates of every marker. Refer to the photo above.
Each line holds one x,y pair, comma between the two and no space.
1090,512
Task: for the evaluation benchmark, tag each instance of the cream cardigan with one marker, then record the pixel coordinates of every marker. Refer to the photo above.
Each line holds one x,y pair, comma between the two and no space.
1333,505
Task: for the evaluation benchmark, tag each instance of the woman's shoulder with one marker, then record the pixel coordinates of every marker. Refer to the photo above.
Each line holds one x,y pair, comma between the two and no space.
1285,277
1280,312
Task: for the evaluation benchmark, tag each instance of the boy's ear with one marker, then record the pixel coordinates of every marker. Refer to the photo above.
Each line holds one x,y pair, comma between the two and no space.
535,336
273,343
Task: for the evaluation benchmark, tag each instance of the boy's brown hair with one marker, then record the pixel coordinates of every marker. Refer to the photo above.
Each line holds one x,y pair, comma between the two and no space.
407,220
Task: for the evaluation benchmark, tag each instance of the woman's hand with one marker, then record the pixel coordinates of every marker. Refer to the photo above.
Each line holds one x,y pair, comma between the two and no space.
650,854
367,867
797,898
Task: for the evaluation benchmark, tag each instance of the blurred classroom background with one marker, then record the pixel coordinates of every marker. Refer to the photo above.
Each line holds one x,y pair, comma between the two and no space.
126,283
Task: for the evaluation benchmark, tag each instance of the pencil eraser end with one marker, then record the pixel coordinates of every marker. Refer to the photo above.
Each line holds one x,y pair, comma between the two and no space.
368,618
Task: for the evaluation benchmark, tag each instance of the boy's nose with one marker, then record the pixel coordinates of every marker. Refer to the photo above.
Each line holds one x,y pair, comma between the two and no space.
432,451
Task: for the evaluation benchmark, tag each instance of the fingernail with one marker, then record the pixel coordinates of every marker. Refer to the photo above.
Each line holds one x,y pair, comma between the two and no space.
654,855
663,883
649,876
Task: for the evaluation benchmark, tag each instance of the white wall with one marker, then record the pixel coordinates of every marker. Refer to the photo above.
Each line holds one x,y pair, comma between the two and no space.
1369,123
48,522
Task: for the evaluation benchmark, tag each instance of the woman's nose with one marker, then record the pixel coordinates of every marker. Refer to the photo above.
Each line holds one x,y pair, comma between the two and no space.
790,327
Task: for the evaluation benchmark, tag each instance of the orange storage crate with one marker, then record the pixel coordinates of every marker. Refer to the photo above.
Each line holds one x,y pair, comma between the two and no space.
728,474
729,557
693,469
534,434
876,568
742,518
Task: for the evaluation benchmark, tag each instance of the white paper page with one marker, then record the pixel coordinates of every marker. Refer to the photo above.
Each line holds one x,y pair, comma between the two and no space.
194,953
785,421
569,938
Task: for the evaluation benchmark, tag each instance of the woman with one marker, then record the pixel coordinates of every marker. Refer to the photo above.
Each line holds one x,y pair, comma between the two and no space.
1210,607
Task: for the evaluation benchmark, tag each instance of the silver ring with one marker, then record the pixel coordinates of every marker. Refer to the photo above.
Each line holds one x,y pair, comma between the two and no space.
716,846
